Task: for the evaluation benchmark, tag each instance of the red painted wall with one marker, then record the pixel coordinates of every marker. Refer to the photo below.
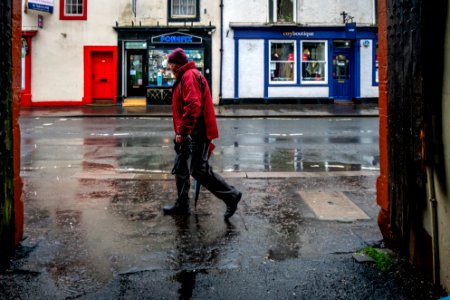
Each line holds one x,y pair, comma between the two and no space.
382,180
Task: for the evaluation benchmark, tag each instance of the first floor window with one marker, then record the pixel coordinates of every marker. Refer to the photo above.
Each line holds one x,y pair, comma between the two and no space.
282,61
73,9
282,11
183,9
313,67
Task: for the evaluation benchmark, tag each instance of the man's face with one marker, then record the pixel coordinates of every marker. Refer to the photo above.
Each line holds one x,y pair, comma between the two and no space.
173,67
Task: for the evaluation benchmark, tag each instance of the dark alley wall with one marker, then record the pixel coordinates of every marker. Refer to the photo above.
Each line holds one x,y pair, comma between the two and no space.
415,45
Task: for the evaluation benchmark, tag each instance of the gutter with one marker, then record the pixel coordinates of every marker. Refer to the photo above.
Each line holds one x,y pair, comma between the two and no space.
221,52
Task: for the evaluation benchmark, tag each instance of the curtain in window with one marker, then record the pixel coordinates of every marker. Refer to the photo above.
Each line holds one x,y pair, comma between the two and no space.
183,7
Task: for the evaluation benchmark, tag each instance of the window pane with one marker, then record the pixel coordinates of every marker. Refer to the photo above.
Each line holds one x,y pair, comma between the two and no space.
313,61
271,11
376,64
183,8
282,61
73,7
285,11
341,65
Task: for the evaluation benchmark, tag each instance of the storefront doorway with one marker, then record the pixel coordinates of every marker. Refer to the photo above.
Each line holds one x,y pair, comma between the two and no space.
142,65
136,73
343,70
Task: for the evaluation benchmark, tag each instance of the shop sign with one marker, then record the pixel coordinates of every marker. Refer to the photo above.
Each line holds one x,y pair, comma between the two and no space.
136,45
304,34
176,38
41,5
350,30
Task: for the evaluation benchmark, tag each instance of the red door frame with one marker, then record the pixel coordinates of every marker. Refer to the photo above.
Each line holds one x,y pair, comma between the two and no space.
25,96
88,50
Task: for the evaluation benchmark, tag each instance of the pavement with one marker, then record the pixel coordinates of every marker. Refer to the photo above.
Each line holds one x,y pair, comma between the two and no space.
94,233
222,111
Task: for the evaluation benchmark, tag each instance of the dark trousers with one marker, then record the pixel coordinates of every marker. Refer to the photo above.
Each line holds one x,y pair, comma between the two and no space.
203,173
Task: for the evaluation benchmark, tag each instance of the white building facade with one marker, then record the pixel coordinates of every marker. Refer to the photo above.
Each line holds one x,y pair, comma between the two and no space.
299,50
80,52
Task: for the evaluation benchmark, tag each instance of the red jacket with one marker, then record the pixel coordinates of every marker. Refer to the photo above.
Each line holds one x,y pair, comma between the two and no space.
188,101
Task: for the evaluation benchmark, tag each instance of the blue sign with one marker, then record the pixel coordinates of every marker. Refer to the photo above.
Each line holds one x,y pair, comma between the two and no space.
176,38
350,30
41,5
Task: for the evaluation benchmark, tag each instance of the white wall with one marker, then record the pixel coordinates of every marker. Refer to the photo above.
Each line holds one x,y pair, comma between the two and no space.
251,68
366,55
326,12
311,12
299,92
57,54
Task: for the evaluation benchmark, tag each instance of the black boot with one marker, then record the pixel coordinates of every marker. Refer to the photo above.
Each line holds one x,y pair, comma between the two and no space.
180,208
232,206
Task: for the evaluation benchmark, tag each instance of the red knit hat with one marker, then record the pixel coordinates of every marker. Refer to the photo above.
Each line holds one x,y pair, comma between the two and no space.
177,57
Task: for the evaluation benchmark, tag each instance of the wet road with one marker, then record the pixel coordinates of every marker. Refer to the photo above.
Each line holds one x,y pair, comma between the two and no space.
145,144
94,187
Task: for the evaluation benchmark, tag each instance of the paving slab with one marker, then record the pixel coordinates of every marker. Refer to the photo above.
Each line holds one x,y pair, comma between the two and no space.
333,206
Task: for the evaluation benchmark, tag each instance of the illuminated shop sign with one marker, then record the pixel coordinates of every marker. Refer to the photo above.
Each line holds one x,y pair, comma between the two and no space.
41,5
176,38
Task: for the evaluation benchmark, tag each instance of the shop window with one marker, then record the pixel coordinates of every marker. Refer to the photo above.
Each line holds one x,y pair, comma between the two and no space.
375,65
282,11
282,62
159,74
73,9
184,10
313,67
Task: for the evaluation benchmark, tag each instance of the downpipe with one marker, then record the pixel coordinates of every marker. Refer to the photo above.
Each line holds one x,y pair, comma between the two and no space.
434,225
221,52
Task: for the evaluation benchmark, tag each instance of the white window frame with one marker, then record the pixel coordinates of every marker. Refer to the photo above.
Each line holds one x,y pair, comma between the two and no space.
274,12
173,16
295,61
325,63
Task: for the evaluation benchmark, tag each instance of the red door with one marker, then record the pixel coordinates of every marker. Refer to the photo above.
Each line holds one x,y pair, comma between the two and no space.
102,76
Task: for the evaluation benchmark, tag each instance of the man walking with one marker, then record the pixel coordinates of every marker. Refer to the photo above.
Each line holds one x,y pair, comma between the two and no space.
195,127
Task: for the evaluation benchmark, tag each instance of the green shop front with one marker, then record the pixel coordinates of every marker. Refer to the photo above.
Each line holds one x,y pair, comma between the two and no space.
143,70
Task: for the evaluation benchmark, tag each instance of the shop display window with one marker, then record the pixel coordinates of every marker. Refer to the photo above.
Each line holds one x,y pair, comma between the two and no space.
282,61
181,10
375,68
282,11
314,59
159,74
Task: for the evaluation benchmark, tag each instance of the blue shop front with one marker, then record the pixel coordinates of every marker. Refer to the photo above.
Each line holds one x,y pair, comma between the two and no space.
304,64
